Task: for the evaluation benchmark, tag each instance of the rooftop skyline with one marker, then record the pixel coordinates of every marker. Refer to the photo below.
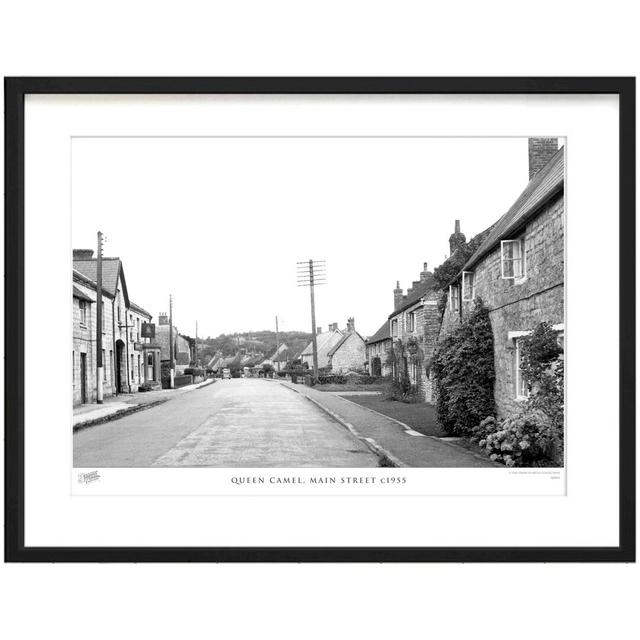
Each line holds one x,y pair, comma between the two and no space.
221,222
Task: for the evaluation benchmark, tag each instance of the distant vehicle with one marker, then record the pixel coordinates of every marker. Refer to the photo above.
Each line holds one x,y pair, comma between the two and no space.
226,374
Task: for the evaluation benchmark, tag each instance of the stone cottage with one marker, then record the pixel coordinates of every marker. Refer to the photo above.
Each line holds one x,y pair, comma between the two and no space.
414,327
129,359
518,271
349,353
378,347
325,340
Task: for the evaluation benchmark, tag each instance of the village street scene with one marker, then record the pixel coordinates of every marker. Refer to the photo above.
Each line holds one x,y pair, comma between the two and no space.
465,369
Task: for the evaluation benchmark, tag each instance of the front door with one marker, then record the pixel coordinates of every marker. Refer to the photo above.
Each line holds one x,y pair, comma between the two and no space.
150,375
83,378
119,365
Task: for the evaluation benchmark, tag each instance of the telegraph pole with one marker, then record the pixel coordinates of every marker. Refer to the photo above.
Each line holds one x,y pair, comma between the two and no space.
312,274
195,348
99,363
172,371
277,343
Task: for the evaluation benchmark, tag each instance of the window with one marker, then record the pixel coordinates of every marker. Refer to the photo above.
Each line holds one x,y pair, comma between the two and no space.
522,390
513,262
104,365
454,301
394,328
83,312
132,371
411,321
139,372
119,318
111,365
468,286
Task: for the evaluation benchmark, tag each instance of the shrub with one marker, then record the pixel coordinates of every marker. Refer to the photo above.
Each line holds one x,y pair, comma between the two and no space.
401,390
522,440
194,371
464,374
145,386
332,378
535,436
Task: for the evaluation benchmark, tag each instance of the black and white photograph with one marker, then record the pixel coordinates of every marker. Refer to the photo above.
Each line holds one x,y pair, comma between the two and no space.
317,302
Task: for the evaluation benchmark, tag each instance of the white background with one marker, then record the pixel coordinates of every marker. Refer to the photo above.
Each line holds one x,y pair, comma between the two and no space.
371,38
586,516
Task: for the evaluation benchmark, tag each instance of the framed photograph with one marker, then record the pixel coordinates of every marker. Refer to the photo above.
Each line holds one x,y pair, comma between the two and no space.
320,319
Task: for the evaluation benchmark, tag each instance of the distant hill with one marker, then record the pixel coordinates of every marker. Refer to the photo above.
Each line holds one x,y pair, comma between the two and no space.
251,342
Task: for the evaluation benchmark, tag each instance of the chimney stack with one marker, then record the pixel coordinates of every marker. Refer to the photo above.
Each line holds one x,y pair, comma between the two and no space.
82,254
397,296
163,319
351,325
333,326
318,330
540,152
425,273
456,239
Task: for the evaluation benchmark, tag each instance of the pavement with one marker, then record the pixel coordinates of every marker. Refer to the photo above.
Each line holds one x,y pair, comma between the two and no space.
113,407
399,443
233,423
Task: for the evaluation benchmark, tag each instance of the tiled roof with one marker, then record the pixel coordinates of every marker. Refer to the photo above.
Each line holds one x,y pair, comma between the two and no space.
383,333
111,268
344,338
81,295
139,309
321,340
546,183
283,356
338,344
423,287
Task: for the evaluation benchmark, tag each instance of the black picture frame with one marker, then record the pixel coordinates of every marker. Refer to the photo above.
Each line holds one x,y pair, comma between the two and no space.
15,91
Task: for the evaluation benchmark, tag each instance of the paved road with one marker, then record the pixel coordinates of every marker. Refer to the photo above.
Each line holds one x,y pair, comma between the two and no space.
233,423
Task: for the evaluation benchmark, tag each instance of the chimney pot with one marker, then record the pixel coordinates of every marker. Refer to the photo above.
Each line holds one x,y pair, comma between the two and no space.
83,254
397,296
318,330
540,152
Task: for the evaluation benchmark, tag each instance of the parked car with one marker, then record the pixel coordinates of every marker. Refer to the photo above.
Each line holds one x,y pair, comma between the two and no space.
226,374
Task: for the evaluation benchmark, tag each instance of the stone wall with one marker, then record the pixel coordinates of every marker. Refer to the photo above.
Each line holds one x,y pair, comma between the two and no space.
425,332
113,330
350,356
379,350
519,306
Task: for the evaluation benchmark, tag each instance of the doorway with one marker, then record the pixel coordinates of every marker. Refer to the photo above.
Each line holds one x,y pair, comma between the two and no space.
120,365
83,378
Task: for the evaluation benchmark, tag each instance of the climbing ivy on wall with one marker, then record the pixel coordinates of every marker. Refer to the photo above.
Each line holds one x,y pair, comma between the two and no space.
464,374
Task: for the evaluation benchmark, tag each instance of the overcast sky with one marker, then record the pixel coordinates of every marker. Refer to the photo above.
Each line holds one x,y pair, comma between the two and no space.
221,222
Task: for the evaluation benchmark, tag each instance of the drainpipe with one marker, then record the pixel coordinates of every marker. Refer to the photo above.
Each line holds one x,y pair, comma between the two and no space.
113,344
126,342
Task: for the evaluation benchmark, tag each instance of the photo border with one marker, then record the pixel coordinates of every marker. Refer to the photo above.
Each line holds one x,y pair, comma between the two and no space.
15,91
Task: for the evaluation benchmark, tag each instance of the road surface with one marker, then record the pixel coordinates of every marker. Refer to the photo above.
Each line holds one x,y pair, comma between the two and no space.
232,423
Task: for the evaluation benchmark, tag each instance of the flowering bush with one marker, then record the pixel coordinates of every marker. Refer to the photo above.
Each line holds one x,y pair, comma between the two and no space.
520,441
536,434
